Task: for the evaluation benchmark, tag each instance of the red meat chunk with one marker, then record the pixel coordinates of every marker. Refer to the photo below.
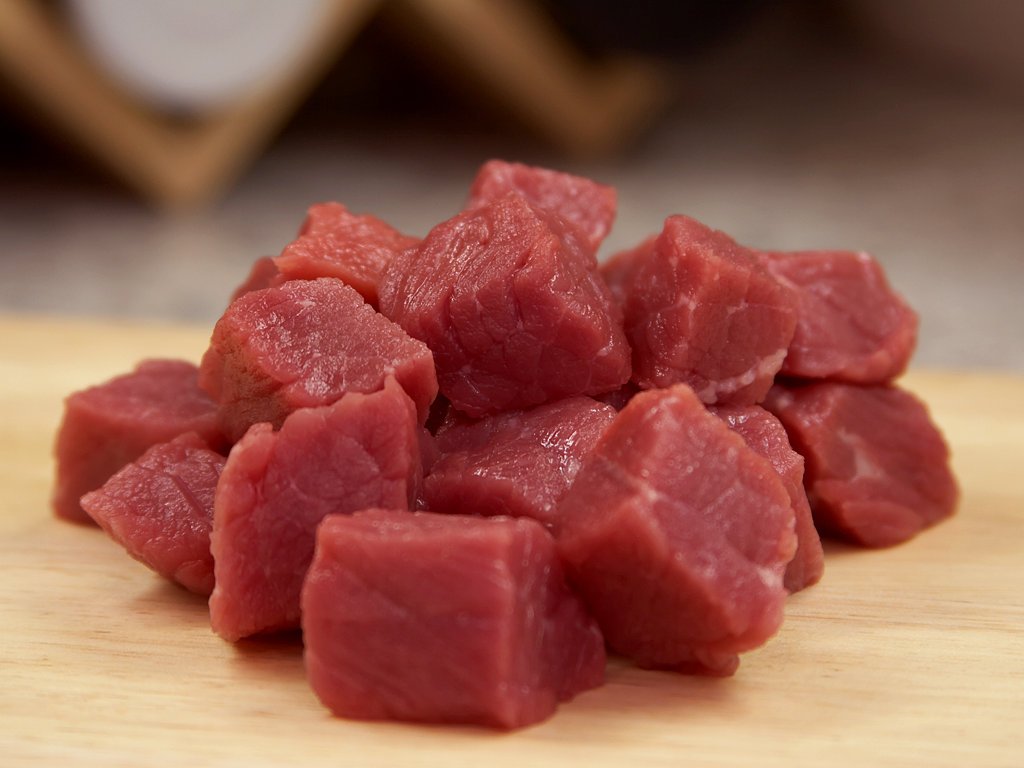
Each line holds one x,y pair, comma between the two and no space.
877,468
677,535
336,243
444,618
305,344
362,451
112,424
512,307
851,326
765,434
160,509
262,274
587,205
700,310
518,463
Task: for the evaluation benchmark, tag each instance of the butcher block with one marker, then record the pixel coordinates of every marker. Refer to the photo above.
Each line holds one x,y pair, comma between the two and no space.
907,656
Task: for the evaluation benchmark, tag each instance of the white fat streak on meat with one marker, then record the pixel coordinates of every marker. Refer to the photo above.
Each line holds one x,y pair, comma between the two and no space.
765,366
863,466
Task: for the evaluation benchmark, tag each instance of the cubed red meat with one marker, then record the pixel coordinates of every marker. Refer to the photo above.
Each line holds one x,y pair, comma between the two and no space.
677,534
444,618
160,509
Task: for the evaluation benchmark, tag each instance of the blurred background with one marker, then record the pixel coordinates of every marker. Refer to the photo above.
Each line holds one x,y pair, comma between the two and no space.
150,150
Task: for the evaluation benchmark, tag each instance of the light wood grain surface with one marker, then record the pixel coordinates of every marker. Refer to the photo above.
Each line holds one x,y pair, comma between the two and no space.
909,656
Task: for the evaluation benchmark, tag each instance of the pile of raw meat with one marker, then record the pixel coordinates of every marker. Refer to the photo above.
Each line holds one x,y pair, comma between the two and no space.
467,464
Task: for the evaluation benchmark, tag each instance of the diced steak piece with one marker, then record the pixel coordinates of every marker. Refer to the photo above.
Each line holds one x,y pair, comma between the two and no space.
851,326
677,535
586,204
512,307
304,344
360,452
701,310
518,463
444,618
877,469
160,509
262,274
112,424
334,242
765,434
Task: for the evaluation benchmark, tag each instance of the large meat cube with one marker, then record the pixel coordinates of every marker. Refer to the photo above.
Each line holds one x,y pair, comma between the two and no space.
877,468
160,509
518,463
334,242
701,310
112,424
677,535
512,307
589,206
304,344
765,434
361,452
444,618
851,326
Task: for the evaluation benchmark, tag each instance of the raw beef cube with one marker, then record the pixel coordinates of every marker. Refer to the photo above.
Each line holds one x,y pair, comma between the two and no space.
589,206
677,535
512,308
305,344
518,463
700,310
444,618
160,509
765,434
360,452
262,274
112,424
851,326
877,469
336,243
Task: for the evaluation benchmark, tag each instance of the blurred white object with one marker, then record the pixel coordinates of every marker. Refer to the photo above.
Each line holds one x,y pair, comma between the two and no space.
194,55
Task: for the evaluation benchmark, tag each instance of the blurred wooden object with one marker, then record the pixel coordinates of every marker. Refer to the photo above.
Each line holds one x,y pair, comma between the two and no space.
506,46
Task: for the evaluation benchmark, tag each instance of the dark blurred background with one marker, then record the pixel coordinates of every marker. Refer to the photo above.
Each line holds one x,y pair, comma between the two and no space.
894,127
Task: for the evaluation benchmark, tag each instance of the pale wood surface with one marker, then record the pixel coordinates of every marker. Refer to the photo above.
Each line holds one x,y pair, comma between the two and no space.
911,656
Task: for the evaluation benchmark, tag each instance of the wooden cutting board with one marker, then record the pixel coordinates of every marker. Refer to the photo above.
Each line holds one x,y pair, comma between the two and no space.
909,656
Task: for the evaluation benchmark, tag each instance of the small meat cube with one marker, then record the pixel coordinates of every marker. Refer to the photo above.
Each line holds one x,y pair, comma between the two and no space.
304,344
334,242
262,274
877,468
586,204
765,434
112,424
444,618
851,326
518,463
512,308
677,535
362,451
700,310
160,509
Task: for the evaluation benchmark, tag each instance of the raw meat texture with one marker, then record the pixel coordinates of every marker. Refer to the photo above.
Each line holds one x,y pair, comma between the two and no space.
112,424
765,434
851,326
587,205
160,509
444,618
677,535
518,463
334,242
618,271
361,452
305,344
262,274
512,307
877,468
701,310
